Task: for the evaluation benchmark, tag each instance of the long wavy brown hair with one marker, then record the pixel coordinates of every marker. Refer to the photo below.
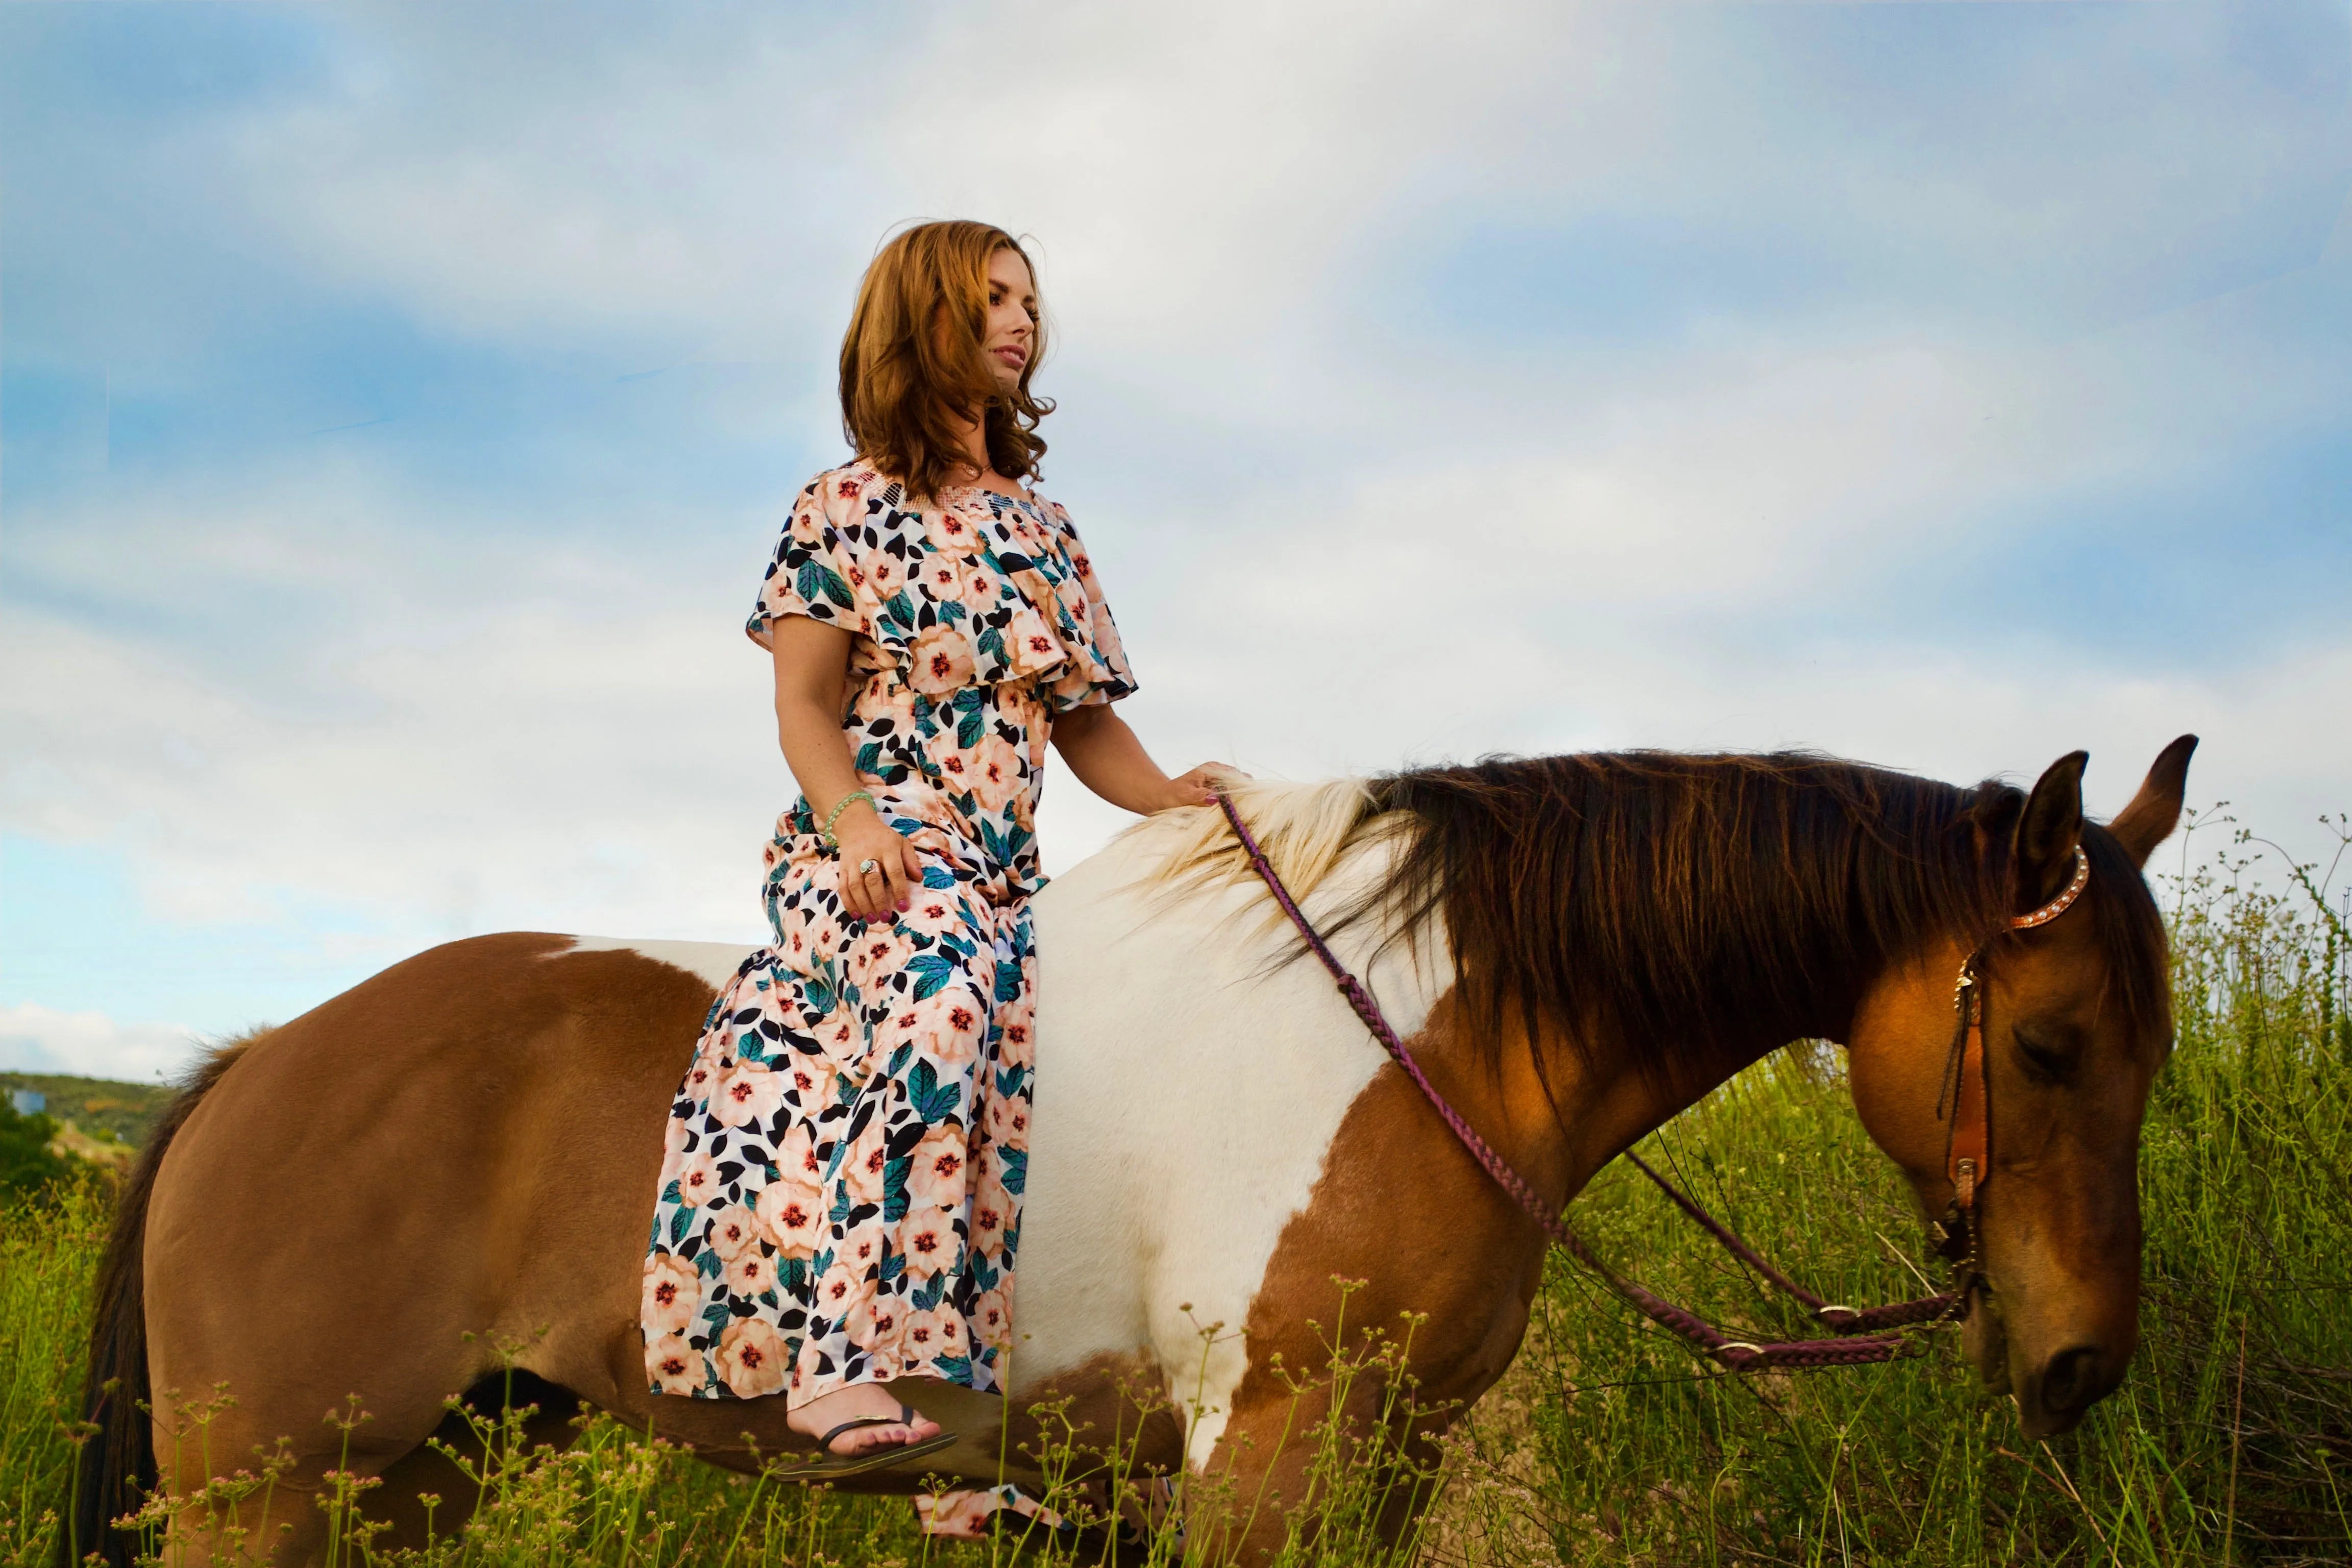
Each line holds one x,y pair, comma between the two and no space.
913,374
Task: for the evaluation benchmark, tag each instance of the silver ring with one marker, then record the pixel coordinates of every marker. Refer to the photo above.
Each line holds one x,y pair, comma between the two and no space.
868,867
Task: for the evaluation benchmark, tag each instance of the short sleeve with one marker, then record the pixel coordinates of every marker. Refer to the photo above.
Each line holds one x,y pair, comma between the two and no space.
1099,671
974,591
814,571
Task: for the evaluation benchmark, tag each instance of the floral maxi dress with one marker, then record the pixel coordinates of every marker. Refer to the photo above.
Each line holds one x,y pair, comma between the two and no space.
840,1198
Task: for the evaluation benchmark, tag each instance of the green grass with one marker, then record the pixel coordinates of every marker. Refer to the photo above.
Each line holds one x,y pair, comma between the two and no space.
48,1251
2229,1443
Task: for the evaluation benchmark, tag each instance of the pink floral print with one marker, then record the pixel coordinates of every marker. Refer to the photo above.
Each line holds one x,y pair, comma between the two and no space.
840,1194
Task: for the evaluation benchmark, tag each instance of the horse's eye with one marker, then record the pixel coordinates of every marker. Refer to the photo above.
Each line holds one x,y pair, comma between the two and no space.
2049,1053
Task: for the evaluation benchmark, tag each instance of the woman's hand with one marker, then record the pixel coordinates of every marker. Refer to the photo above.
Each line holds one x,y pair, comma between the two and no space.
865,838
1199,787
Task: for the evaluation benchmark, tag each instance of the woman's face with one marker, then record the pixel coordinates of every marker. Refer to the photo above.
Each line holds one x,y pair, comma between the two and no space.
1012,334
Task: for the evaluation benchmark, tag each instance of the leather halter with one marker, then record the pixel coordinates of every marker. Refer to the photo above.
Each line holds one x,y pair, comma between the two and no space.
1967,1153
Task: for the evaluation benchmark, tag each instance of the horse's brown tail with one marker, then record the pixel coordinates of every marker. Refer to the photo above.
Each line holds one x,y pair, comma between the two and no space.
118,1464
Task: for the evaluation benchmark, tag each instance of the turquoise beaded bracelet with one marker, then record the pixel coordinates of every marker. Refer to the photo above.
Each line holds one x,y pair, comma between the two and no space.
835,816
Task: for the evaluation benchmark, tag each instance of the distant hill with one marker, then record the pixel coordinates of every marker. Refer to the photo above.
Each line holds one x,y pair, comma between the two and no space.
98,1107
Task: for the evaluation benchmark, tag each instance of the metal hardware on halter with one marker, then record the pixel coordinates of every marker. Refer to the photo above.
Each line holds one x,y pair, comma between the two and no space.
1968,1156
1968,1147
2064,901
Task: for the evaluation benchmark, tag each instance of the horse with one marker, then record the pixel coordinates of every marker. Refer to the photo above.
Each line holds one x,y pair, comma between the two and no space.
445,1175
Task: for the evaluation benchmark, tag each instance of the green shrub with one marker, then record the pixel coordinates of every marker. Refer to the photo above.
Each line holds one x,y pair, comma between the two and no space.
27,1166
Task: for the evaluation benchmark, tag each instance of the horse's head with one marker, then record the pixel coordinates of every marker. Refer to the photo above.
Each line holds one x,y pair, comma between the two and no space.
2076,1024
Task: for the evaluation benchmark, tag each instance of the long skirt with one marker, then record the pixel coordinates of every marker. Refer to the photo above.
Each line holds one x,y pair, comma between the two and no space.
840,1198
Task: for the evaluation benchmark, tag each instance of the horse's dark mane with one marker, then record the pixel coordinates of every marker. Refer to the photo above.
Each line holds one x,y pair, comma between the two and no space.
1709,908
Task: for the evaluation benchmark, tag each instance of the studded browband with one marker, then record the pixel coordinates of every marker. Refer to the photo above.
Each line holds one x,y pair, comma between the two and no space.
1968,1162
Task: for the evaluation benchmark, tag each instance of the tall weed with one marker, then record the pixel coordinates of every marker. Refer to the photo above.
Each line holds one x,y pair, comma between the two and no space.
50,1244
2229,1443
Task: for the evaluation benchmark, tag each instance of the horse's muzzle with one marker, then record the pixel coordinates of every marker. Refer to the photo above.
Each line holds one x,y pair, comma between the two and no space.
2055,1396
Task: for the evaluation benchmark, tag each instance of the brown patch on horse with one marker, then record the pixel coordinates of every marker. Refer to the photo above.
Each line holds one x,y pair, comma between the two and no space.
1450,1265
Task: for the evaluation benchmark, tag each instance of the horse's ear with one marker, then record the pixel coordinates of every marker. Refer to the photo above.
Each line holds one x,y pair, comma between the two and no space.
2049,832
2155,810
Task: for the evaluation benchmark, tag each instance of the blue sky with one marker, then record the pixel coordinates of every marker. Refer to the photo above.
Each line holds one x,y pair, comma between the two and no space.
397,403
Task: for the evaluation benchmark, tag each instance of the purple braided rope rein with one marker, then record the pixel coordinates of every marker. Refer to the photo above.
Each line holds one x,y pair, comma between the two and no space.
1857,1346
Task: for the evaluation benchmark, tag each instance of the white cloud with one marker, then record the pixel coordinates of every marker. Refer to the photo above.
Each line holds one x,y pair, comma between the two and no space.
1217,176
502,734
1411,663
91,1045
1231,200
322,680
708,177
562,746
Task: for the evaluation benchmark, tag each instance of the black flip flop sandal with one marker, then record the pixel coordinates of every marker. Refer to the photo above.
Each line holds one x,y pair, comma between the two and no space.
829,1466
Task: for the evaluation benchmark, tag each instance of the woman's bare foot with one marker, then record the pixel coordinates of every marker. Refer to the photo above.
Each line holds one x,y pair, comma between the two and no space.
958,1516
860,1401
1146,1506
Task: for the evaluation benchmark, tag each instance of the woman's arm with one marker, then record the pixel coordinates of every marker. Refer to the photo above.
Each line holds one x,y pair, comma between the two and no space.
812,664
1108,759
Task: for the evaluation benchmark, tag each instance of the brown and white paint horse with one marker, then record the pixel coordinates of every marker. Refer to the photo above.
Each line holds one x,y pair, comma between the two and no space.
460,1153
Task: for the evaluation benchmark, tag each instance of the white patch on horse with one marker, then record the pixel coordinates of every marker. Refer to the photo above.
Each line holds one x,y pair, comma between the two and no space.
1188,1093
714,962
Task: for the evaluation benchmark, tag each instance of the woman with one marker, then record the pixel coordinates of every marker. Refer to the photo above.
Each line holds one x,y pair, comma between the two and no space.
840,1202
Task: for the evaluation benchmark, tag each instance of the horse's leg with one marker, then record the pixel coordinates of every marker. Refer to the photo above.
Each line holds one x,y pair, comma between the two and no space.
281,1520
1442,1284
277,1355
284,1526
481,1439
252,1468
1282,1452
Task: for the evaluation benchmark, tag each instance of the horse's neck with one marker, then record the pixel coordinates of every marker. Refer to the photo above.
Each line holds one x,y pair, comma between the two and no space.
1564,1107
